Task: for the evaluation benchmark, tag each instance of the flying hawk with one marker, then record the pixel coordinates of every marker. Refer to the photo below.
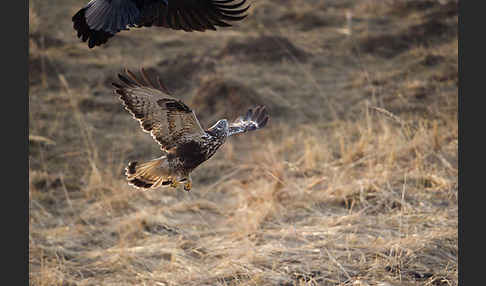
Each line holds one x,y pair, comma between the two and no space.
174,126
100,20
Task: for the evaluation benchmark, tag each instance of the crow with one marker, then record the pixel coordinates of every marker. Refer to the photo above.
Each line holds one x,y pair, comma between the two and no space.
100,20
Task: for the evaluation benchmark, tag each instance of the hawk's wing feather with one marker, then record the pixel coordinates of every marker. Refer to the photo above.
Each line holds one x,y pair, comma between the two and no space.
253,120
166,118
192,15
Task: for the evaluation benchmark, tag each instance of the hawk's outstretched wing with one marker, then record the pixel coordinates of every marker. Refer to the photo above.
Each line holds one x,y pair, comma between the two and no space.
254,119
166,118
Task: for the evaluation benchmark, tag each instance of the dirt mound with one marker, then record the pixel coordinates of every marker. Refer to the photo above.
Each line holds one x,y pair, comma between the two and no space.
178,73
438,26
432,60
430,33
311,20
224,98
268,49
405,8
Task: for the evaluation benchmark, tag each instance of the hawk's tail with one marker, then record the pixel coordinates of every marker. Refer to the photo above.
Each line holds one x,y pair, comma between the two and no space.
149,175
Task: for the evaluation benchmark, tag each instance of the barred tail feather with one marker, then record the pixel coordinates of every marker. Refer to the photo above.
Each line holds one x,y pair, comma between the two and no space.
149,175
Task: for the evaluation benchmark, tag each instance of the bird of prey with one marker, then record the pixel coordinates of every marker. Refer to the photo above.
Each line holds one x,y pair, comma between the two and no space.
100,20
184,142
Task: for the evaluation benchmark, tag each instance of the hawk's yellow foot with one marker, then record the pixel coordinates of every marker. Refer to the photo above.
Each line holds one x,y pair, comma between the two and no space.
174,183
188,186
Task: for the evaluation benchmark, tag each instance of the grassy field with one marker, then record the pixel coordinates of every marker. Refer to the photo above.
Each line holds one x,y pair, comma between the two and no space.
354,181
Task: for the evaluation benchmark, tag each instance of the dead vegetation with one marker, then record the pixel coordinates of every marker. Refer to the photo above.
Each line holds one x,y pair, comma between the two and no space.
353,181
264,49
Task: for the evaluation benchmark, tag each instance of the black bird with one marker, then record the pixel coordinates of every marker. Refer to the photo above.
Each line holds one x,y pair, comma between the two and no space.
100,20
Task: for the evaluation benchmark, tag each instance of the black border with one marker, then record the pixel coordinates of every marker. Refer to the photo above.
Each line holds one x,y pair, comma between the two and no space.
461,125
15,69
461,188
473,270
15,85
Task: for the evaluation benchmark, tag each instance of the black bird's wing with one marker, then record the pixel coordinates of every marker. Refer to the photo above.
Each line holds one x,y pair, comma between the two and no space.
100,20
193,15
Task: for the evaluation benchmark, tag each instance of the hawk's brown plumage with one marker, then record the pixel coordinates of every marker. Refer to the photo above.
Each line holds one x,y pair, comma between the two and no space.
175,127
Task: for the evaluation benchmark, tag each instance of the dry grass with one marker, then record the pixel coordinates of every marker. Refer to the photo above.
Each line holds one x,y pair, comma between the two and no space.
353,182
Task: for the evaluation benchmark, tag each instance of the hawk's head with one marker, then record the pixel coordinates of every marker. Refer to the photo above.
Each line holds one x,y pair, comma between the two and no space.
220,129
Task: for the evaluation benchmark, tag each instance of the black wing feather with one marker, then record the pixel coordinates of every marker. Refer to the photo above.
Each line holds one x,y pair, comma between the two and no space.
200,15
100,20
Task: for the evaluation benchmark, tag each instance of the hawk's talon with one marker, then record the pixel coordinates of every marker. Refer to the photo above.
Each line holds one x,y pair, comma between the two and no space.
188,186
174,183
